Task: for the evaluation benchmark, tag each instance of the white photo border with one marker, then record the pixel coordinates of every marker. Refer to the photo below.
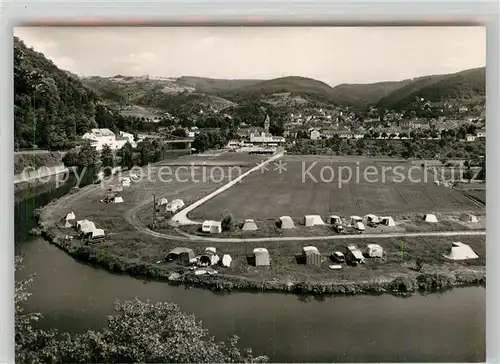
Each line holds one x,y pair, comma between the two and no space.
257,12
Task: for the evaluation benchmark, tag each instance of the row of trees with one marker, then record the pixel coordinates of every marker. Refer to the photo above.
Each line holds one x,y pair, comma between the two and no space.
418,149
138,332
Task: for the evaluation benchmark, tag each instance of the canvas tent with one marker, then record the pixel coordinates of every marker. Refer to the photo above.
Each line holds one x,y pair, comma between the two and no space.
460,251
286,222
85,225
249,225
162,201
261,256
226,260
430,218
387,221
354,255
371,218
117,199
94,234
209,258
312,255
125,182
183,255
313,220
334,219
359,226
211,226
374,251
354,219
468,218
69,220
174,205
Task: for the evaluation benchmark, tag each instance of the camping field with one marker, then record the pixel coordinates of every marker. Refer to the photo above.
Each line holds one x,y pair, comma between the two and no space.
379,187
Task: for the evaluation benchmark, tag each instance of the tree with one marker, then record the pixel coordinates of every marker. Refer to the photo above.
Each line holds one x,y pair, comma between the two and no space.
127,155
88,156
179,132
107,156
139,332
70,159
227,223
200,142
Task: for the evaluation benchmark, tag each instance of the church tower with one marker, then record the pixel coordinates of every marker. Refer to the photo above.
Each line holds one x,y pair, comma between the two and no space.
266,124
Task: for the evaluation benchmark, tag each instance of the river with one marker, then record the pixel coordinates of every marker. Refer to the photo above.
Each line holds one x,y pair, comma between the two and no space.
74,297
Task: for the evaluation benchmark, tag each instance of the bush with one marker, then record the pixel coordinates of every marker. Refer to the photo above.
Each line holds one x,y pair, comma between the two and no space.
227,223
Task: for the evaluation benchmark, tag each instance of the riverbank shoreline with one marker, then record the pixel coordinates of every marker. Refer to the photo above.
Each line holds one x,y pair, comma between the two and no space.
403,284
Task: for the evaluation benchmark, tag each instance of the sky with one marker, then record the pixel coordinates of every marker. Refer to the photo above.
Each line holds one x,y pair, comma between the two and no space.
333,55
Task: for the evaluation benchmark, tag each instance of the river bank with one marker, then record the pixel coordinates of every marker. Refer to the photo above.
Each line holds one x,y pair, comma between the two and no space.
405,282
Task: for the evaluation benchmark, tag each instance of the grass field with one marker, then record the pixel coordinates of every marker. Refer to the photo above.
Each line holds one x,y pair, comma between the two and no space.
375,187
125,244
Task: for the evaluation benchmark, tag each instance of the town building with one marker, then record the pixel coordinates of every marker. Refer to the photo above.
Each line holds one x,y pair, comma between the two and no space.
470,137
481,133
315,134
100,137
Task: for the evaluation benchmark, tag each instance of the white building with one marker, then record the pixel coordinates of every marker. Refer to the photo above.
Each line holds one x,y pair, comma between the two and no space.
315,134
470,137
265,138
481,133
100,137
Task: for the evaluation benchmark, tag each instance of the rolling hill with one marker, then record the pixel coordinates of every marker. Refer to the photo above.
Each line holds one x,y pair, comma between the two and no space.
161,92
465,86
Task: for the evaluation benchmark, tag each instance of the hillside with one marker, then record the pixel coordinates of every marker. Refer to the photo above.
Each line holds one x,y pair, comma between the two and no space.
361,95
307,88
51,106
155,94
465,86
213,85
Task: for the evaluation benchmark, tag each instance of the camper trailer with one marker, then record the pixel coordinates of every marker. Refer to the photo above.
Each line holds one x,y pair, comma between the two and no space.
311,255
374,251
354,255
211,226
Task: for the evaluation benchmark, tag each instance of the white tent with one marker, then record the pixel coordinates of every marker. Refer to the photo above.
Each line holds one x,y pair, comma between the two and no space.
374,251
460,251
359,226
430,218
226,260
211,226
209,258
162,201
468,218
70,216
286,222
126,183
69,219
85,229
85,225
174,205
249,225
387,221
97,233
118,199
334,219
313,220
372,218
354,219
261,256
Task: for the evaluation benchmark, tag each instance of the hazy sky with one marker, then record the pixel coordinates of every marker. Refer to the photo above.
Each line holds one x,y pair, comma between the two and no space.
334,55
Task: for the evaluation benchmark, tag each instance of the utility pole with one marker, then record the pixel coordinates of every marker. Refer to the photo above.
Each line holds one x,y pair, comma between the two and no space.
154,211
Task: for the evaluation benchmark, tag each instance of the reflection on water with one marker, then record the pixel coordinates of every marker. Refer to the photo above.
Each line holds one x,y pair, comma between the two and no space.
439,327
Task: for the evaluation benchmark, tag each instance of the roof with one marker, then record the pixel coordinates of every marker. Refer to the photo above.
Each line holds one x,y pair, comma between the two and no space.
260,251
354,217
376,246
102,132
285,218
180,250
357,254
211,222
310,250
